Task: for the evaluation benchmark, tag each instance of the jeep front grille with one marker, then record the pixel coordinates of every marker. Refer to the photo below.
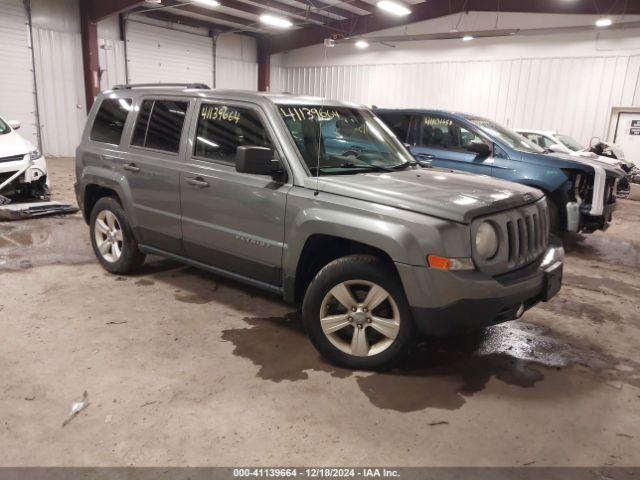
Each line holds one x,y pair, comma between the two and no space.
524,237
14,158
527,238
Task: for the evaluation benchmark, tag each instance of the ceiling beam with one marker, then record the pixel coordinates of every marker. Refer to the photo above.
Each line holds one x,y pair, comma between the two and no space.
282,7
338,10
439,8
206,12
187,21
97,10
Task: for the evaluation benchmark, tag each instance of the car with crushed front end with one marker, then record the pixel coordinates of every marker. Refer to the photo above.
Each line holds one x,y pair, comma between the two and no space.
251,186
23,169
581,193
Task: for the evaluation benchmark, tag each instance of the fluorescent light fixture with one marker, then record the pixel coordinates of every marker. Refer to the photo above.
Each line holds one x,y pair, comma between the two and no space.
604,22
274,21
395,8
208,3
468,38
362,44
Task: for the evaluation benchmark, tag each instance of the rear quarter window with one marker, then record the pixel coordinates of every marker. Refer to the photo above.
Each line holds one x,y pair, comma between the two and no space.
159,125
110,119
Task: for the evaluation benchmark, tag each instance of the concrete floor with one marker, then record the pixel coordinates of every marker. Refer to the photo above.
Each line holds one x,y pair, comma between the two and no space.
184,368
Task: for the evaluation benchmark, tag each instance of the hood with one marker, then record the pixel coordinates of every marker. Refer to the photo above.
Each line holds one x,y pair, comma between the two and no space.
13,144
562,160
599,158
455,196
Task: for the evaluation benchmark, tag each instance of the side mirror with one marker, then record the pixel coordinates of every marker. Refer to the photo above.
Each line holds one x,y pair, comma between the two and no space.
479,148
256,161
557,148
15,124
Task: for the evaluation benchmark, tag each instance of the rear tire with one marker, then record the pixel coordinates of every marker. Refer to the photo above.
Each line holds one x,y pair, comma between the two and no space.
112,238
371,325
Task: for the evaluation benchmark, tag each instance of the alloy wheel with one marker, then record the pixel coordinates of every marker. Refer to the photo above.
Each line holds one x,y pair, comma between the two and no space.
360,318
108,235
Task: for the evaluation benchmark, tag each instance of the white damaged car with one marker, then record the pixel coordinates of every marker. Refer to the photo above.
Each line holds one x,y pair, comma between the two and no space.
23,170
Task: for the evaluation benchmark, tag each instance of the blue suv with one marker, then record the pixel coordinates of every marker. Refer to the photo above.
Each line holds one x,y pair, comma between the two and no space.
581,192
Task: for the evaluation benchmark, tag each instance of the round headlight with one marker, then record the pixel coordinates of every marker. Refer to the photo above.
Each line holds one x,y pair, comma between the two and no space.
486,241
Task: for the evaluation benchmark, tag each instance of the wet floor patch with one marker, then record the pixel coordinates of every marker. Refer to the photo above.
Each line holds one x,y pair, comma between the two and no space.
605,286
45,241
441,373
603,247
579,309
279,346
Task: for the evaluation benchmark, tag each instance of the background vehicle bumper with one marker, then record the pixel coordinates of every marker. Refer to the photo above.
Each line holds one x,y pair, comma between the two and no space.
444,303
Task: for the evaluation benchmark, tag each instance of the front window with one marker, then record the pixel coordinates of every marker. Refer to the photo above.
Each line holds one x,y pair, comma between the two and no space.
4,128
224,128
341,140
570,143
511,138
446,134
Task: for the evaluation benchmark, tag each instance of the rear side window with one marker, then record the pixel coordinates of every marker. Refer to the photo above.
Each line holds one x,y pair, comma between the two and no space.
159,125
110,120
222,129
398,123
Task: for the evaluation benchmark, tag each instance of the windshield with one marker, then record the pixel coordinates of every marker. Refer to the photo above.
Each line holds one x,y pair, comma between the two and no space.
570,143
341,140
511,138
4,128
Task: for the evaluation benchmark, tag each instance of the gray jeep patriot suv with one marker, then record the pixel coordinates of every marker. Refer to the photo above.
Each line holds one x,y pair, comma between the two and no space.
317,201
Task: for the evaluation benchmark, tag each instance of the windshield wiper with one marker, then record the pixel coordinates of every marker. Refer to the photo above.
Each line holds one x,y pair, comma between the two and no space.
368,166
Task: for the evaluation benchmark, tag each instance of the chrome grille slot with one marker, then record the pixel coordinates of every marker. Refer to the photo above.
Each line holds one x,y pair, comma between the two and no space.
524,237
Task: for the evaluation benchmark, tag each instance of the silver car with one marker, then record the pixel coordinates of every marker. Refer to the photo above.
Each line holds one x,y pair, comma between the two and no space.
316,201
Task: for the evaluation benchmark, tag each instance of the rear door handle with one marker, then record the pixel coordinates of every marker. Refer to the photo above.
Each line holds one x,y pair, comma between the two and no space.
197,182
131,167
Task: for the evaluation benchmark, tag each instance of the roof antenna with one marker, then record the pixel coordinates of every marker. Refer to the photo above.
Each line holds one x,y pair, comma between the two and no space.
328,43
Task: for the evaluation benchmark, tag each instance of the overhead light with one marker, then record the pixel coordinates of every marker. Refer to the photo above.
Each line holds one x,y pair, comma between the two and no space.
468,38
604,22
208,3
274,21
395,8
362,44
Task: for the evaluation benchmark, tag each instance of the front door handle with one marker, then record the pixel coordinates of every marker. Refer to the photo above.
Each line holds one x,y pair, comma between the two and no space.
425,156
131,167
197,182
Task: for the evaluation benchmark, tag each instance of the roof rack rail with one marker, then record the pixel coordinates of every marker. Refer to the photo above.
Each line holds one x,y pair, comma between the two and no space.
197,86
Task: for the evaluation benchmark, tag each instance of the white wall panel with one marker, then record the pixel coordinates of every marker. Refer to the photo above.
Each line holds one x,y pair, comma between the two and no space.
162,55
112,63
61,99
573,95
17,98
236,62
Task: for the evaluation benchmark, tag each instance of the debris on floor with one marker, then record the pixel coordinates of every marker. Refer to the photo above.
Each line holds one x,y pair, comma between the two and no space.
22,211
76,408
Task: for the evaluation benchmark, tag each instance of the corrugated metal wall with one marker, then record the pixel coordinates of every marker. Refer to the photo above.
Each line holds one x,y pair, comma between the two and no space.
236,62
157,54
112,63
61,101
17,91
573,95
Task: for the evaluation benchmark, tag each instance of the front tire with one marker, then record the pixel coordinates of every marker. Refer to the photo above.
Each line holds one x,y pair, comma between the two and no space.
112,239
357,315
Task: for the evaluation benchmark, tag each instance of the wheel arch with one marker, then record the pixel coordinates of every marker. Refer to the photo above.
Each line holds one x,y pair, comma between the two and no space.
319,250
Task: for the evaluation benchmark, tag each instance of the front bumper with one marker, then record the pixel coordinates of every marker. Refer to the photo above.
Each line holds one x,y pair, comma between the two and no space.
445,303
24,173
